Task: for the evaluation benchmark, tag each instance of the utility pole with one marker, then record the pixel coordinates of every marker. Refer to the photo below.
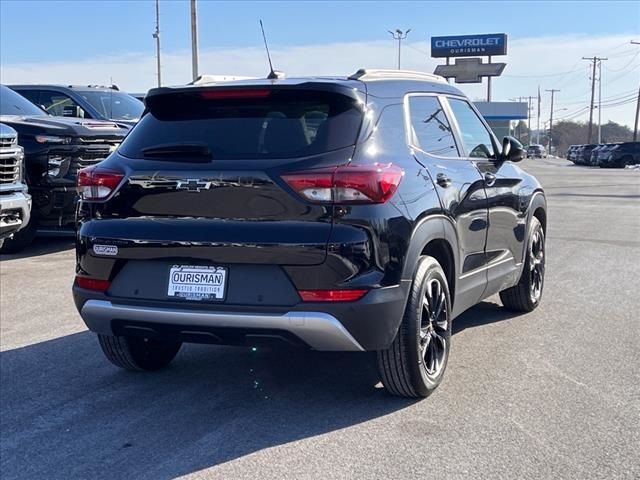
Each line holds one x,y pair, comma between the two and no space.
553,90
156,35
635,124
593,92
194,40
599,103
529,121
398,35
538,117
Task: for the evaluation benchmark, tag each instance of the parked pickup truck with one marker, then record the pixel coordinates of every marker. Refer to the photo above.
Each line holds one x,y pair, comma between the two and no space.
15,202
55,148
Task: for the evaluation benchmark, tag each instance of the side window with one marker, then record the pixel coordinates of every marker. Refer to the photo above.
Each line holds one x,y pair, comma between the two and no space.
55,103
476,138
431,131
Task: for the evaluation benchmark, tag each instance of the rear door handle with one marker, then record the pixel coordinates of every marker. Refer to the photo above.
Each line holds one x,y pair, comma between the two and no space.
489,179
443,180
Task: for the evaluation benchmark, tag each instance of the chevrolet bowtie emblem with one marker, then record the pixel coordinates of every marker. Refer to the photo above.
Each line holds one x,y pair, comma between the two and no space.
193,185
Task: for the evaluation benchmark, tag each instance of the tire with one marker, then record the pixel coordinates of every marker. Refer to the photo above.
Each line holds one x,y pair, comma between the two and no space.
137,353
21,239
526,294
624,161
414,364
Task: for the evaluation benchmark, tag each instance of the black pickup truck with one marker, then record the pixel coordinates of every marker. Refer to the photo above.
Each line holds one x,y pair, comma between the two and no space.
55,149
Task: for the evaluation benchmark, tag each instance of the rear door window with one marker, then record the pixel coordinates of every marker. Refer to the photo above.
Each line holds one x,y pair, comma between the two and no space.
260,123
431,131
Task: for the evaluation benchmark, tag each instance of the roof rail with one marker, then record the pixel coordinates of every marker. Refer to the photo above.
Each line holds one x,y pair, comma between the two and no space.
379,74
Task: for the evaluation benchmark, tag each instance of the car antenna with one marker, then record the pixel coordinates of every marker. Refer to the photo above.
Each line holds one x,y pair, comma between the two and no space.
273,74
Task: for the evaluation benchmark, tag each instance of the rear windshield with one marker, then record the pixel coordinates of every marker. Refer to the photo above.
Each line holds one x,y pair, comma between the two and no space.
266,124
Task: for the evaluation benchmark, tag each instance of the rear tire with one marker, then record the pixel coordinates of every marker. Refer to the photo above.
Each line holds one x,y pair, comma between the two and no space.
414,364
136,353
526,294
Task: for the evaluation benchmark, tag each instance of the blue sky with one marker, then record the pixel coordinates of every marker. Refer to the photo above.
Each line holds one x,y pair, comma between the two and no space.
91,41
77,29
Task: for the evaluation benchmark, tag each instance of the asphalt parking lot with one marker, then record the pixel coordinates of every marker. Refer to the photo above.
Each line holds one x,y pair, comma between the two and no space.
552,394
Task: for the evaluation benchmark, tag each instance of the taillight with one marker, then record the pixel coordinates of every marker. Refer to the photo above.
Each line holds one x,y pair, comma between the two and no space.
374,183
95,183
332,295
93,284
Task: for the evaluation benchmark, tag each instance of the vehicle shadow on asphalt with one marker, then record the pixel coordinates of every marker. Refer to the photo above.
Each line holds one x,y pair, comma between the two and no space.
483,313
42,246
67,413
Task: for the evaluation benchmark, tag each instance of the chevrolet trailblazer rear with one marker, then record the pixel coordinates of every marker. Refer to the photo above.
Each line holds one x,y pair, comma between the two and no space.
211,223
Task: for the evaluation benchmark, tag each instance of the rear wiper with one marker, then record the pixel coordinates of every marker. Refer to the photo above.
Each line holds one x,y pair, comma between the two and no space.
172,150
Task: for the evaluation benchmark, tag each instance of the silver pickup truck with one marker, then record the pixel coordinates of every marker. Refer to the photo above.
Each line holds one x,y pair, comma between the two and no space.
15,202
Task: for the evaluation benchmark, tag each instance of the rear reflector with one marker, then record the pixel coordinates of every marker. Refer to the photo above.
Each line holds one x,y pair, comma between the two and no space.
332,295
96,183
221,94
351,184
93,284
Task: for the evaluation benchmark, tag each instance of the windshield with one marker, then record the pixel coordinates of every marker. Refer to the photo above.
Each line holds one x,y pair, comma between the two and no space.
114,105
12,103
258,124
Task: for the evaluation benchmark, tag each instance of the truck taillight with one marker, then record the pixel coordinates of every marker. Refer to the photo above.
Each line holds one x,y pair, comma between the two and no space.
96,183
375,183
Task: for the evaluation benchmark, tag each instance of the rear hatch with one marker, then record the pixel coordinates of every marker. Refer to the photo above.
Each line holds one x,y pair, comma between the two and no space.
204,174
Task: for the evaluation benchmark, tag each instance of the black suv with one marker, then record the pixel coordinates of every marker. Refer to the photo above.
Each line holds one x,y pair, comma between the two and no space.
620,155
358,214
54,150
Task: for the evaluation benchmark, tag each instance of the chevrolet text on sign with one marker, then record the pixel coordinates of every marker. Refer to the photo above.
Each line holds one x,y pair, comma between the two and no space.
469,45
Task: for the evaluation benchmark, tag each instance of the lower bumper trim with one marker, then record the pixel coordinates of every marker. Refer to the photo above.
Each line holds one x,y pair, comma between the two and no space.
319,330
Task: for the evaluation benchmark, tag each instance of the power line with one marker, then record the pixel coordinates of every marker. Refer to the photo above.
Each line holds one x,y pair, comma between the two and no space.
620,69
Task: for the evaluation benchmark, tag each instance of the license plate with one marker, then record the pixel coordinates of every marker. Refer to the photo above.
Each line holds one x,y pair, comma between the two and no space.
197,283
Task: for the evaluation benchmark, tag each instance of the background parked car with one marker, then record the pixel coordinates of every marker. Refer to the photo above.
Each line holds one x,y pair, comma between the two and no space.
536,151
583,156
600,151
91,101
15,202
55,149
620,155
572,151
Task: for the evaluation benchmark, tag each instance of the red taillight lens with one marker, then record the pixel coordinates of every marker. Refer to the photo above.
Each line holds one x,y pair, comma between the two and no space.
222,94
374,183
96,183
332,295
93,284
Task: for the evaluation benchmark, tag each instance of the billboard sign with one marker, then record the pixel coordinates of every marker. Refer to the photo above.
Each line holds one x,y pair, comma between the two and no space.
469,45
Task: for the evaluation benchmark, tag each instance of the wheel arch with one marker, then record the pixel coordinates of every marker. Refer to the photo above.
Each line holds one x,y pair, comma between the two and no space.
434,236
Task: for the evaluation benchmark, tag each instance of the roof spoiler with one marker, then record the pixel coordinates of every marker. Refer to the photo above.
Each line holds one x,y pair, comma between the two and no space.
379,74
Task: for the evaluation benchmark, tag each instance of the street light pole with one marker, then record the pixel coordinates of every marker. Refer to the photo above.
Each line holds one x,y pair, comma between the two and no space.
156,35
399,35
635,124
194,40
553,90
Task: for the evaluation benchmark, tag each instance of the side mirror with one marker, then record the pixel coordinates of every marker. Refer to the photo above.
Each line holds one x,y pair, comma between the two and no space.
71,111
512,150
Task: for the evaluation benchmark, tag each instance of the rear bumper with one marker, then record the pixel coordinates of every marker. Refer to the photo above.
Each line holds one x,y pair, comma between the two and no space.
320,331
15,209
368,324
